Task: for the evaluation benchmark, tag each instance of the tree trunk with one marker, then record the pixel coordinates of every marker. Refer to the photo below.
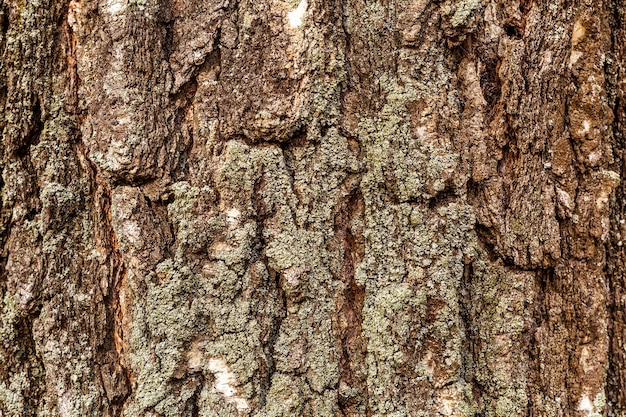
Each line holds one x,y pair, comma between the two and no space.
325,208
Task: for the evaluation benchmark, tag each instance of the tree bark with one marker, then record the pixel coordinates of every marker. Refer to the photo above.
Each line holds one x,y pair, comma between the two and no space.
325,208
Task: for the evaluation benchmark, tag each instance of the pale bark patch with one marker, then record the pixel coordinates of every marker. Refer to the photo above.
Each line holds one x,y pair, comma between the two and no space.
295,16
115,7
225,382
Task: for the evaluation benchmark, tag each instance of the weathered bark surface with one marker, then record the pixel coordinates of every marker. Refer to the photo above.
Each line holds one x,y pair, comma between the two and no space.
332,208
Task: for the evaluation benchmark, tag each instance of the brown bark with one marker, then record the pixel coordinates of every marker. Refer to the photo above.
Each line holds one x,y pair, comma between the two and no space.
339,208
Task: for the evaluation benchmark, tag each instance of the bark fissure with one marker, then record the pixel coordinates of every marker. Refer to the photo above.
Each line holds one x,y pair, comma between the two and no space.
353,392
269,347
469,339
616,378
116,325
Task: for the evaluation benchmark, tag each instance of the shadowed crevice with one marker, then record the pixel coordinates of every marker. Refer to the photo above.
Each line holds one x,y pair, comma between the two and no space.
616,250
272,337
352,379
31,138
470,349
112,351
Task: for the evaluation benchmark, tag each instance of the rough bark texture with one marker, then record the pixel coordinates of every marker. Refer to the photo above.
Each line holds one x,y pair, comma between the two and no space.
333,208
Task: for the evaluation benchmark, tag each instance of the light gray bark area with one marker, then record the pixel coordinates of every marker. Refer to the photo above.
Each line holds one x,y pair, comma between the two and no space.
323,208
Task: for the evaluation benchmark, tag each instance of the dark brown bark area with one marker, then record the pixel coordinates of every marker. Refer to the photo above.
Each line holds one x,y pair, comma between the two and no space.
343,208
615,256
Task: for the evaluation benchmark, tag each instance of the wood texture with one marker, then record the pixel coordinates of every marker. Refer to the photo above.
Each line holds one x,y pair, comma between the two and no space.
317,208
